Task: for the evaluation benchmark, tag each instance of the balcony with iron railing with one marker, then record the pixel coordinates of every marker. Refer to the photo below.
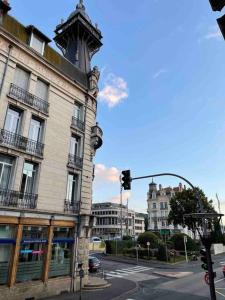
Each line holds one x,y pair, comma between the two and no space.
77,124
25,97
72,208
9,198
75,161
13,140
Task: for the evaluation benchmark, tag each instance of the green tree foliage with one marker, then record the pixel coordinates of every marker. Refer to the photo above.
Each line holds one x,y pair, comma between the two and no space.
185,202
148,237
178,242
161,254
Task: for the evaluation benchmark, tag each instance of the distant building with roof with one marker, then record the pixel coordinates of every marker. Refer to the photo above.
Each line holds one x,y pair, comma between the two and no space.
158,200
109,219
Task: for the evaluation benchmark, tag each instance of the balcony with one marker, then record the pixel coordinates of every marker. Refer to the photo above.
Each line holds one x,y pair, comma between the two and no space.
96,137
75,161
72,208
24,96
19,142
10,198
77,124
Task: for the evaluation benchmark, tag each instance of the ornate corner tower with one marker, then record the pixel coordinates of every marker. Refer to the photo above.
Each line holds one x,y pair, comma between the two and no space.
79,39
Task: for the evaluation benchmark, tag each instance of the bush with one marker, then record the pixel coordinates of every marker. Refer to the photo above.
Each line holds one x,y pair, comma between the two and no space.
127,238
148,237
161,254
117,247
178,242
142,253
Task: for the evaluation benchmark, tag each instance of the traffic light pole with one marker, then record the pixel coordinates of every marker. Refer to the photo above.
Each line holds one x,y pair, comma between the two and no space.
205,242
211,274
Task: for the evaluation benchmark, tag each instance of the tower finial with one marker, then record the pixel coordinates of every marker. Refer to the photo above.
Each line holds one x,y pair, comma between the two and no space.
80,5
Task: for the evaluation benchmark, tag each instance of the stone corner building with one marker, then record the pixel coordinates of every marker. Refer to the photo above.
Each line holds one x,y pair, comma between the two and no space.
48,139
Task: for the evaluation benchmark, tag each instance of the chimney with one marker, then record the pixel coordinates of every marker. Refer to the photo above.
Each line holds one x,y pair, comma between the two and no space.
180,187
4,8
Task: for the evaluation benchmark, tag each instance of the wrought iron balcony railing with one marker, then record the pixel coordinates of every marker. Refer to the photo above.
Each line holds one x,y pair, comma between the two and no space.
70,207
17,199
77,123
17,141
24,96
75,161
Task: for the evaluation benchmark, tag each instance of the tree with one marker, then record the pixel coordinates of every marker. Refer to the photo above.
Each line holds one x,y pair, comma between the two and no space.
185,202
148,236
178,242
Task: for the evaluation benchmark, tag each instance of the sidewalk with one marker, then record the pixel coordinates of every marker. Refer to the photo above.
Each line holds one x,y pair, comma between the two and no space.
117,288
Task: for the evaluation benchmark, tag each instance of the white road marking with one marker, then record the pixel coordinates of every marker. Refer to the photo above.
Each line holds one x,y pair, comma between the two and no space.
219,280
220,294
114,275
120,273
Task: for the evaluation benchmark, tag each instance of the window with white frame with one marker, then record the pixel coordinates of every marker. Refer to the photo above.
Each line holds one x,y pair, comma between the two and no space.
78,111
72,188
36,129
13,120
6,168
37,44
75,145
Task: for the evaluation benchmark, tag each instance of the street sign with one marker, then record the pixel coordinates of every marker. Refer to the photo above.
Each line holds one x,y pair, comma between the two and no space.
164,231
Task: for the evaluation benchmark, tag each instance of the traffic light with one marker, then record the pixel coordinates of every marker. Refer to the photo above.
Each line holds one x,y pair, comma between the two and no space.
217,5
204,259
126,180
221,22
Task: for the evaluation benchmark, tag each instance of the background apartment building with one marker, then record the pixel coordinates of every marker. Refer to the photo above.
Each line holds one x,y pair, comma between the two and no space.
48,138
158,200
109,220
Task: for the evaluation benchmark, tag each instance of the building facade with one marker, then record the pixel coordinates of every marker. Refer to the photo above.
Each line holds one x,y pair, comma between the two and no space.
158,200
108,225
48,139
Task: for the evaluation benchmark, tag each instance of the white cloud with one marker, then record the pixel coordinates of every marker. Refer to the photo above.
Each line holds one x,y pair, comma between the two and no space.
104,174
116,199
114,91
213,33
159,73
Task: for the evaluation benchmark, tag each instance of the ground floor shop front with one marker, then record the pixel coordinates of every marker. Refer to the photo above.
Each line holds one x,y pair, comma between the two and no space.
36,256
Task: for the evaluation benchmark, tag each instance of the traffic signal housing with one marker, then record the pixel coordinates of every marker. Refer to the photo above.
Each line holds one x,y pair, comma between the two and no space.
217,5
126,180
221,22
204,259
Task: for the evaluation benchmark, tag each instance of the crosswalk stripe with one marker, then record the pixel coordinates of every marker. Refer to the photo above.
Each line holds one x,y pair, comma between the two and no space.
114,275
132,271
137,268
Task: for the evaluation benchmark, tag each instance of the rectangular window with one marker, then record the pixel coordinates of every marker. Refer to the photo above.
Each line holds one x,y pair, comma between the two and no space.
36,129
42,90
32,253
72,188
61,258
13,120
37,44
6,167
75,145
7,241
21,78
154,205
28,179
78,112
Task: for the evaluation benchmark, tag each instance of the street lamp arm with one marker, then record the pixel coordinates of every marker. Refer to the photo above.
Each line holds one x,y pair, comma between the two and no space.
166,174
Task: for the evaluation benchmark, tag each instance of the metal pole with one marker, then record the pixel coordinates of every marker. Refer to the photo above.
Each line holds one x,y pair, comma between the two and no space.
211,274
185,248
121,211
137,254
80,288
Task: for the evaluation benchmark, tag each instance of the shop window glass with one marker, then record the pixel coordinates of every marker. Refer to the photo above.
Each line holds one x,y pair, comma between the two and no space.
62,246
7,241
32,253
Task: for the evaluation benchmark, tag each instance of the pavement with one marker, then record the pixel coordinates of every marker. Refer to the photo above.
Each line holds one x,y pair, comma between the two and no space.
147,281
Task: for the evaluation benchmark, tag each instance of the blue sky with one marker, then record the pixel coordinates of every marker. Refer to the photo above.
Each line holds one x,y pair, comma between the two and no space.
162,91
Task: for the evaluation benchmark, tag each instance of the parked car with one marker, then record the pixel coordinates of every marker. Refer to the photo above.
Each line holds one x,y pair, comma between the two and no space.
94,264
96,239
223,271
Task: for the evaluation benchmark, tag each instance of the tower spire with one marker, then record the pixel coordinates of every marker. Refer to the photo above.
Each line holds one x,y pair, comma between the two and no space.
80,5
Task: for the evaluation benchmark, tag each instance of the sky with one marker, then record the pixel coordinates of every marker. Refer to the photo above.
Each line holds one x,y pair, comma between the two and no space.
161,103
